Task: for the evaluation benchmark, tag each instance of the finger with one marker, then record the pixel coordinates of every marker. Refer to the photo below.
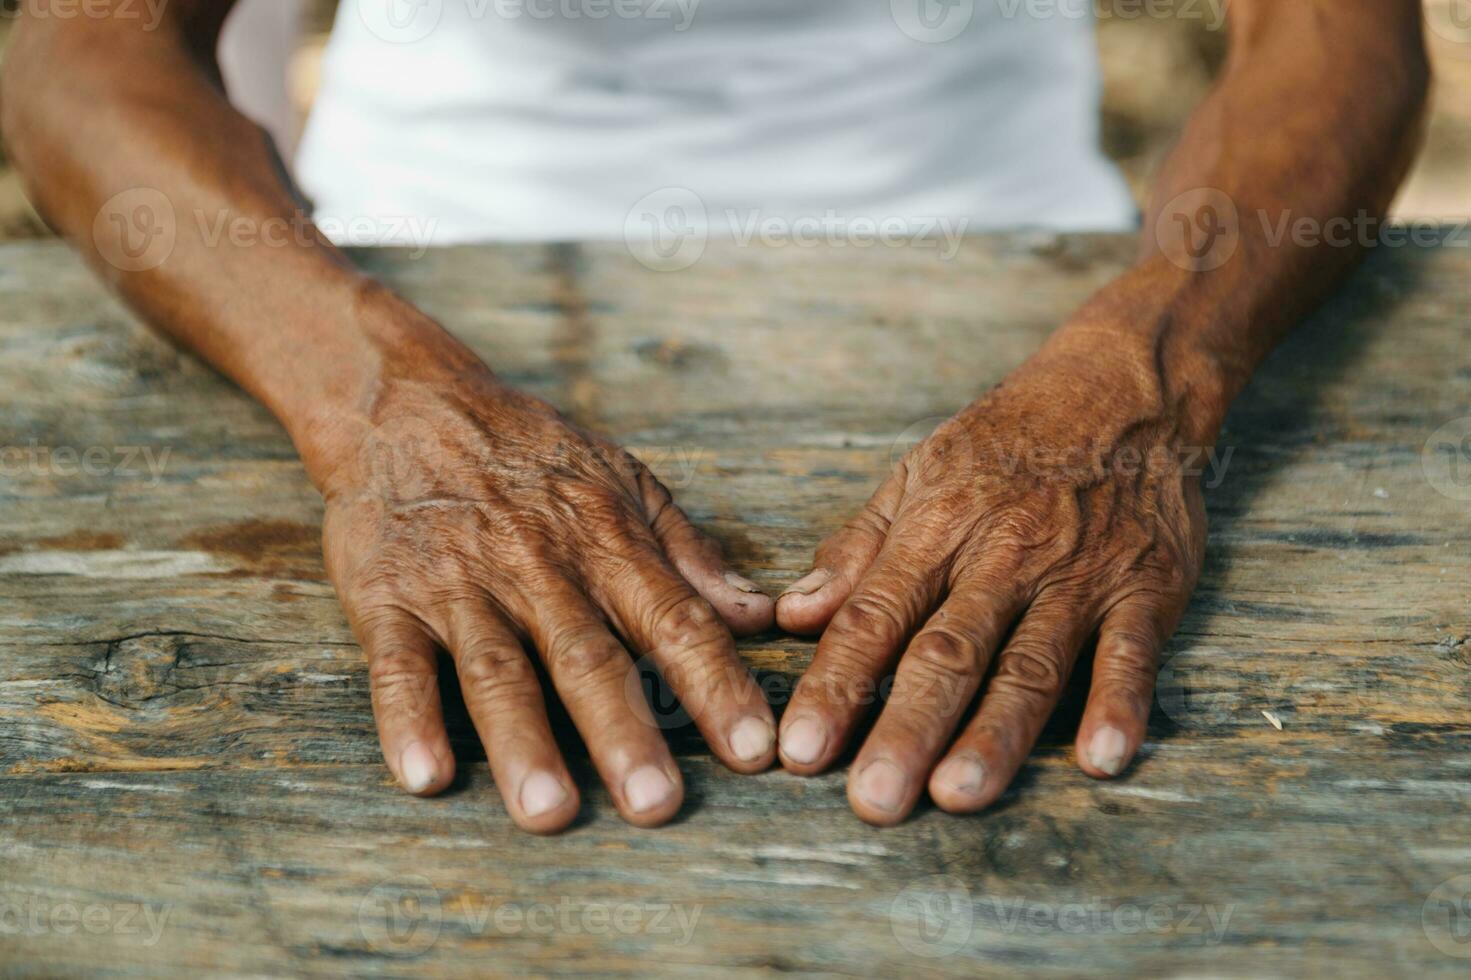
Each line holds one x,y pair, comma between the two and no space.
659,614
1030,674
589,668
503,697
1124,667
810,602
857,649
403,674
937,679
739,601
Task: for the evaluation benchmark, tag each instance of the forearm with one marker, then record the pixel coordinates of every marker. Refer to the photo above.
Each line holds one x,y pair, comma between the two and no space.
1281,175
207,240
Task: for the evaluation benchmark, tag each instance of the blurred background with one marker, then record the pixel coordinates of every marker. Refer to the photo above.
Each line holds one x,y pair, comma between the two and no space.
1155,69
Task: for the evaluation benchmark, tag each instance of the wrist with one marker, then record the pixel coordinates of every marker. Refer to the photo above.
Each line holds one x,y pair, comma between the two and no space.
1142,334
391,357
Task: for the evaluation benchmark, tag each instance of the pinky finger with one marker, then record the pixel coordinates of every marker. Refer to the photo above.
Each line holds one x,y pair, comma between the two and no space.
1124,667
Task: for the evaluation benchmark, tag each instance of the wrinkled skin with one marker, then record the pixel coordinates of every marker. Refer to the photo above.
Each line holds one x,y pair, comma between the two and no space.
476,520
1057,508
463,516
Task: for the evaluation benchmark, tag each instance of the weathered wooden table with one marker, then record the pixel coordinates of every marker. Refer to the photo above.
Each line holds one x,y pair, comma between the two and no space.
190,780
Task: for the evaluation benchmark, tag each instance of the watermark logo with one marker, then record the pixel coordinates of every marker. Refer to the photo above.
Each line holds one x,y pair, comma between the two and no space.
1446,459
402,456
938,916
148,13
401,916
933,917
1450,20
129,462
932,21
1446,917
1211,12
1195,692
400,21
666,231
680,13
135,231
139,922
650,695
1199,230
404,917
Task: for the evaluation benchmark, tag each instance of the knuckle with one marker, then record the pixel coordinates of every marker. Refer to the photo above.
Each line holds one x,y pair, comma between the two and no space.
1033,668
1126,674
490,670
1128,647
690,622
398,685
867,615
584,657
939,651
907,733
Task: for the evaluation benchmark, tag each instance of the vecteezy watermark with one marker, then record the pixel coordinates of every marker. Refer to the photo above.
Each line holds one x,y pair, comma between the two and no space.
138,229
1446,459
933,917
932,21
938,916
1199,230
33,915
240,231
950,450
1196,689
1450,20
667,230
95,461
1446,917
1202,229
406,455
653,691
404,917
401,916
409,21
148,12
936,21
1205,923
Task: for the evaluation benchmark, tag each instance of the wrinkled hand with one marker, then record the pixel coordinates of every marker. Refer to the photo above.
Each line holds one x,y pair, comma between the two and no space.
1059,507
473,519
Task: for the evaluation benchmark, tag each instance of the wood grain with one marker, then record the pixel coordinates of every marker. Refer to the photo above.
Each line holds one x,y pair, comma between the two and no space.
190,781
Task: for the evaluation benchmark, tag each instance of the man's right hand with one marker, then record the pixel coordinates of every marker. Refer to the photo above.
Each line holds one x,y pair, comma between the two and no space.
467,517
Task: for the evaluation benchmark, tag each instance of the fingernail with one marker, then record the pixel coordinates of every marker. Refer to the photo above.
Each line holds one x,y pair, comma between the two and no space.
882,785
802,741
751,738
647,788
810,583
742,584
417,767
540,793
963,775
1106,750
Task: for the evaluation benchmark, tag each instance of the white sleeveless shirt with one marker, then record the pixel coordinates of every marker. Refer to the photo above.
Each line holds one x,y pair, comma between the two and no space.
443,121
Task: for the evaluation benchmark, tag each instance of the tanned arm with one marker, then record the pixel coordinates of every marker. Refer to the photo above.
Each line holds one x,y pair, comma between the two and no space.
461,515
1065,506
